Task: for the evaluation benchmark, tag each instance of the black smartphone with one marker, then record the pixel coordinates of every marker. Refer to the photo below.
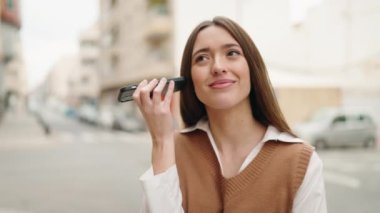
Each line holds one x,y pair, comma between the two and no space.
125,93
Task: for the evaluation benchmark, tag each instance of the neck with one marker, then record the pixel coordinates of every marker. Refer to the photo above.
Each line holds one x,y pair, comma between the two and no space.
235,128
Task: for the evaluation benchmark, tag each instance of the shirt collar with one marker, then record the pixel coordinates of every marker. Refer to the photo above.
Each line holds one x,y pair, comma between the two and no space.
271,134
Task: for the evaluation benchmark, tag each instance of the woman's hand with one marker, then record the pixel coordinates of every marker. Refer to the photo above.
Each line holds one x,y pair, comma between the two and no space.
156,109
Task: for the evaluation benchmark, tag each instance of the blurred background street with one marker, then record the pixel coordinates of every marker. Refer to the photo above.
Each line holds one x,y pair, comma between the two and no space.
77,167
74,168
67,145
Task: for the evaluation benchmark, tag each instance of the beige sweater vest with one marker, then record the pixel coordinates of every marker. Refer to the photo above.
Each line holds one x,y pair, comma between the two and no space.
268,184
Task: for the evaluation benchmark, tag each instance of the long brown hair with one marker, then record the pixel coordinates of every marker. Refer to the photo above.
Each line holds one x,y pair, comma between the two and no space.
265,108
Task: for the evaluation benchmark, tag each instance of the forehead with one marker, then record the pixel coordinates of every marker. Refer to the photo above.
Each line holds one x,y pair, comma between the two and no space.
213,35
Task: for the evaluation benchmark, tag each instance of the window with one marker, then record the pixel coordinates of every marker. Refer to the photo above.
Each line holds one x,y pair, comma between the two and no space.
114,63
158,6
87,43
114,34
364,119
10,4
85,79
113,3
153,3
340,119
89,62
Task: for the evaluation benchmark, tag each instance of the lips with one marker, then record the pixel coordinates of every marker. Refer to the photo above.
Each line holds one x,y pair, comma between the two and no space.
222,83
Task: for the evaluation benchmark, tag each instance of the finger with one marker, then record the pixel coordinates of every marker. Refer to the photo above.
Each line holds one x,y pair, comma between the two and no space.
157,92
136,94
169,93
146,91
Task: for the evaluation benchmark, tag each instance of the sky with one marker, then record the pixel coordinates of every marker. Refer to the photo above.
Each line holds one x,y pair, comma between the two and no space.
50,30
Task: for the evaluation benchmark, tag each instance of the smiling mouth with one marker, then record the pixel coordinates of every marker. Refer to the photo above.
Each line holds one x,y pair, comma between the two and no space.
220,84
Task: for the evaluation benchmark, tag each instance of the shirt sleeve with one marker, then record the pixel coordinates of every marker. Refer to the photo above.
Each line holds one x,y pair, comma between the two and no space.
311,196
161,193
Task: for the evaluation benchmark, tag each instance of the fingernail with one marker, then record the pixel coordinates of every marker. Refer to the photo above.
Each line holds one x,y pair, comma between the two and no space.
143,81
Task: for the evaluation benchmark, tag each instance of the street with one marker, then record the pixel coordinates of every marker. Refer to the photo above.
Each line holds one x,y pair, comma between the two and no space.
352,180
77,168
73,177
82,168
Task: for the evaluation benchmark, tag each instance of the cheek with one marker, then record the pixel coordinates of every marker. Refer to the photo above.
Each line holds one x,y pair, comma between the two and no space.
247,85
197,77
198,81
246,78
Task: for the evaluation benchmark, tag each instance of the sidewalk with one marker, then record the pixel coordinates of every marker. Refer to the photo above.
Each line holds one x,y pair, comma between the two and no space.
21,129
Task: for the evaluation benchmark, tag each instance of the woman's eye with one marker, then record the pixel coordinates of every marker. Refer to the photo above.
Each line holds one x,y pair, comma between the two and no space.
233,53
200,58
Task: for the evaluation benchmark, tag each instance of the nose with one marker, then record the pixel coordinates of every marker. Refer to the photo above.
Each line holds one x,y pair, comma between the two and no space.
218,66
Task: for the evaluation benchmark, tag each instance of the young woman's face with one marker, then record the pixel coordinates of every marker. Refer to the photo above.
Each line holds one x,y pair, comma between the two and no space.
219,70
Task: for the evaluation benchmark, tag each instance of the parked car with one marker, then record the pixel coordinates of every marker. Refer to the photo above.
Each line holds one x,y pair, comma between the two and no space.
88,114
338,127
106,118
127,122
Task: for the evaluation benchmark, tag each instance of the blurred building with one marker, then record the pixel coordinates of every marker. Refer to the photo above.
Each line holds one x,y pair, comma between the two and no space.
136,44
2,93
74,79
87,86
62,78
318,53
13,86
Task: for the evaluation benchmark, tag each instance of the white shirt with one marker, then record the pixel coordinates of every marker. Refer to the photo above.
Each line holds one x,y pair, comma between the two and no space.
162,193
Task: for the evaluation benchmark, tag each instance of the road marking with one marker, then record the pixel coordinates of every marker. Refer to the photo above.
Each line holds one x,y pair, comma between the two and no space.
103,137
87,137
341,179
376,167
66,137
3,210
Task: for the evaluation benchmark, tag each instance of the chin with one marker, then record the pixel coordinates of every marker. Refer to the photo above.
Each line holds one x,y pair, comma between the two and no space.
224,101
221,104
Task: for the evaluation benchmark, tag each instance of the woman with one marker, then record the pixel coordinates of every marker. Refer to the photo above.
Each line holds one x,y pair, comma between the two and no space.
237,153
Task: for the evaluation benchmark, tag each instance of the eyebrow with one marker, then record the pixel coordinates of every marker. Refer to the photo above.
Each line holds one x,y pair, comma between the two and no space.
225,46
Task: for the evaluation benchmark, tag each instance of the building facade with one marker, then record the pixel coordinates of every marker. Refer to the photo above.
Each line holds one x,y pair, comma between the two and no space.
74,79
13,88
305,43
87,84
136,43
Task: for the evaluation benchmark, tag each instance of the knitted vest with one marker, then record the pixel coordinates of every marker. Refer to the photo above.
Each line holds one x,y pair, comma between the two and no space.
268,184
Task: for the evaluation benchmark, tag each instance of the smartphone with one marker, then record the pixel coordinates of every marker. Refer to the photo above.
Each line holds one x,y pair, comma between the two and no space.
125,93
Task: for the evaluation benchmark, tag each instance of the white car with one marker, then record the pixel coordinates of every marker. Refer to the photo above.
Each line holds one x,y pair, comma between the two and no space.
106,118
88,113
337,127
